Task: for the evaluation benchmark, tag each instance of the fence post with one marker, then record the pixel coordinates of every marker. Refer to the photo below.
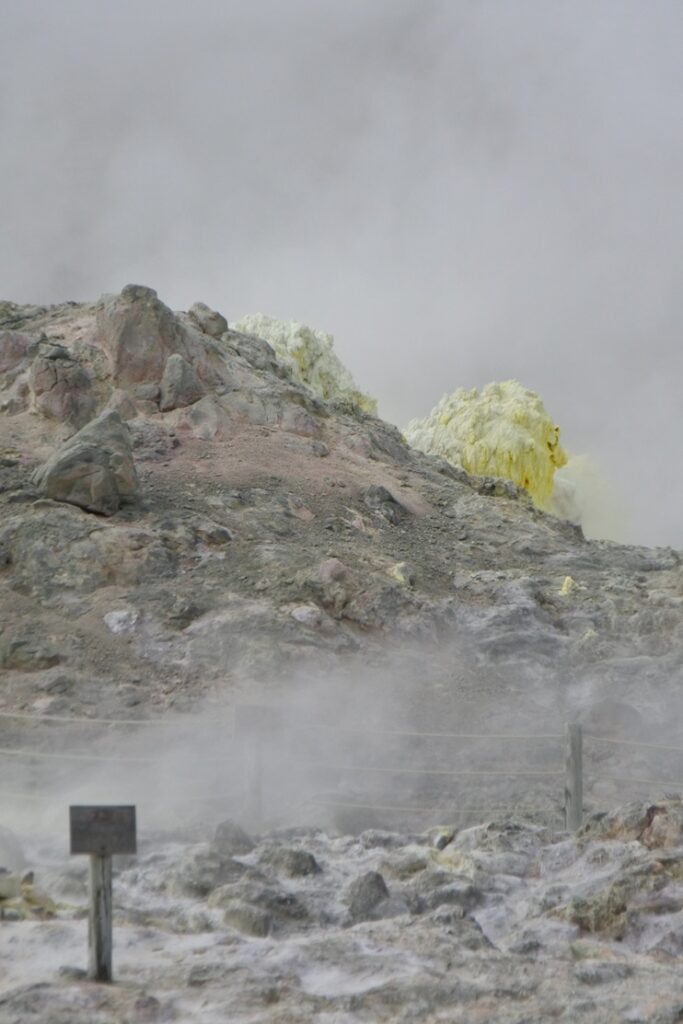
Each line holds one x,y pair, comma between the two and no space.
573,784
255,730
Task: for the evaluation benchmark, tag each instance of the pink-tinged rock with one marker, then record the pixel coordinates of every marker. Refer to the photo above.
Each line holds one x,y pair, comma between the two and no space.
332,571
139,333
14,348
333,585
61,388
180,385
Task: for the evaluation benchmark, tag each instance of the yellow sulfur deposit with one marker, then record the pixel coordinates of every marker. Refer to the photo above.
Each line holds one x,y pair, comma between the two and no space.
310,359
401,573
568,585
502,430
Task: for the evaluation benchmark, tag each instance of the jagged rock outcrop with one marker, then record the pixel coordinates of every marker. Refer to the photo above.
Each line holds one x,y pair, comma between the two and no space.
60,387
15,347
94,469
139,333
179,385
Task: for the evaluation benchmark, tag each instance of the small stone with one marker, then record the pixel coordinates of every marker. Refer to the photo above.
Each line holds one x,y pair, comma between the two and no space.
293,863
208,320
72,973
365,894
204,869
382,501
147,392
308,615
212,533
123,621
597,973
27,655
204,974
402,573
247,919
147,1008
443,838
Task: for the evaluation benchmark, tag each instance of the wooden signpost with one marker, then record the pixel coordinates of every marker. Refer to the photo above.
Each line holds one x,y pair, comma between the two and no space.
101,832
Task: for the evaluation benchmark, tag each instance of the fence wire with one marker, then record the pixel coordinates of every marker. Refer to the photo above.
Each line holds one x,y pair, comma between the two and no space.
333,730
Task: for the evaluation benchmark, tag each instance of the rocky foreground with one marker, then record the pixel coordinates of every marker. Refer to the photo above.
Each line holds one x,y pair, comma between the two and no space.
504,922
185,527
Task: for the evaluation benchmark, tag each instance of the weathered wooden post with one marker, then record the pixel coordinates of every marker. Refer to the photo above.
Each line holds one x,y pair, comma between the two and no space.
101,832
256,727
573,783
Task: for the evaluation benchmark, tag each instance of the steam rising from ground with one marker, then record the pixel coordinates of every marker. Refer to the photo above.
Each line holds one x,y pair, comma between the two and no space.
583,494
341,751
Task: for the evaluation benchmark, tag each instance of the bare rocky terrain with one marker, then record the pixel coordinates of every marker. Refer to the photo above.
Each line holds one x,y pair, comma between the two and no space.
184,528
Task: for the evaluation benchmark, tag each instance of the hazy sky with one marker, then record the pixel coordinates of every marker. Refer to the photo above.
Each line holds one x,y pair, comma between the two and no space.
459,191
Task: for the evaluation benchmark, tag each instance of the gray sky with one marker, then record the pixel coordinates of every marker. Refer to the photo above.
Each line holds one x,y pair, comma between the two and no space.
459,191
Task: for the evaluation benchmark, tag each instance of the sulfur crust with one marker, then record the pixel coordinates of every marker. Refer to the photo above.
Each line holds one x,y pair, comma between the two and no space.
310,359
502,430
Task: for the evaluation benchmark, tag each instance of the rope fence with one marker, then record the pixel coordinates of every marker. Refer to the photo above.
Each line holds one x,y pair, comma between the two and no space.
64,719
422,810
257,730
48,755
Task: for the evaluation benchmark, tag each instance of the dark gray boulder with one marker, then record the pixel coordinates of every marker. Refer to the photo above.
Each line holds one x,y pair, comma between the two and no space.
94,469
365,894
208,320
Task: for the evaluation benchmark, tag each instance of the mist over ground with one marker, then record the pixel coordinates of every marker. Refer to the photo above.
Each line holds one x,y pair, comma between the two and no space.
459,192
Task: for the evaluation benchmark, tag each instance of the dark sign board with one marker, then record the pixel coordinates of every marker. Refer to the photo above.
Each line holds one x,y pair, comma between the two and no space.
103,830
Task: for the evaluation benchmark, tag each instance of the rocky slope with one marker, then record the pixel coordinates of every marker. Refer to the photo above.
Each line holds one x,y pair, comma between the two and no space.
257,527
183,527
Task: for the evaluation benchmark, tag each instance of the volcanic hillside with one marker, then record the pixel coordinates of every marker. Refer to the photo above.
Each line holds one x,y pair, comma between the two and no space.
179,519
